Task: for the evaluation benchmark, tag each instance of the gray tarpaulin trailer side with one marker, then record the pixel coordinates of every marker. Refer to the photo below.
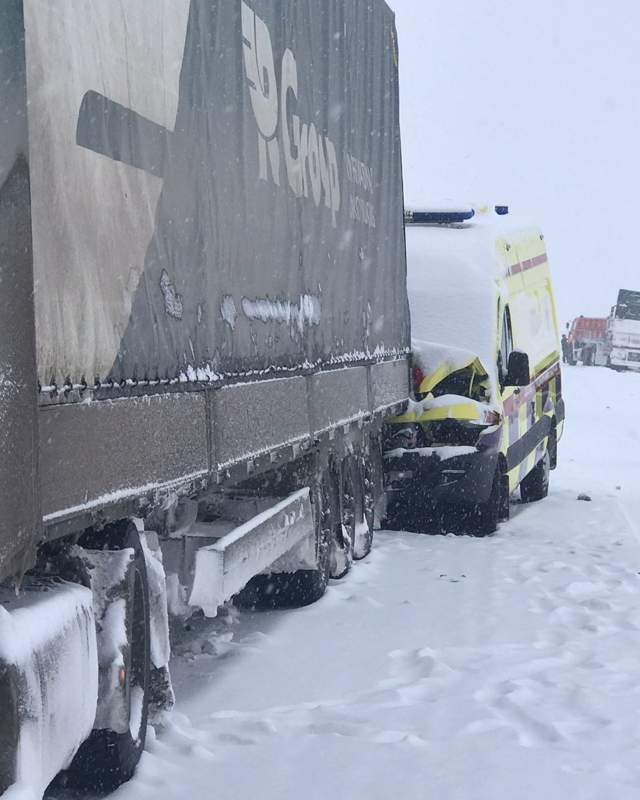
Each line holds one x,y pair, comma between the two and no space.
20,523
204,319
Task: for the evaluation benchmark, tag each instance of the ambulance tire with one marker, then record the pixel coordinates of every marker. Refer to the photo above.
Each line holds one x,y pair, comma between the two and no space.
552,446
535,485
108,759
395,517
483,518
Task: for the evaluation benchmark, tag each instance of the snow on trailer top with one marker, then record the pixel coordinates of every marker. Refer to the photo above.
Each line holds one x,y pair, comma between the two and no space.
454,269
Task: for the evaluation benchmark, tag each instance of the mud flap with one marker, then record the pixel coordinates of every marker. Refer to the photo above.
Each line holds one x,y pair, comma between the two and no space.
109,570
110,579
162,697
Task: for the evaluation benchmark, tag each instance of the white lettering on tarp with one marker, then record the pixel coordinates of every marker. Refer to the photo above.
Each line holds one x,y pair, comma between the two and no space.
290,86
309,156
297,315
362,211
261,77
360,178
358,173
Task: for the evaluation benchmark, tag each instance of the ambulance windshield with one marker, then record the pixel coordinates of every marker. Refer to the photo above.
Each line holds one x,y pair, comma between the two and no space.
452,291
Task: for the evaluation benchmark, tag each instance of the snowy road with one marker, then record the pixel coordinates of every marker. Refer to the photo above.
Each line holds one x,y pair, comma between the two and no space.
441,667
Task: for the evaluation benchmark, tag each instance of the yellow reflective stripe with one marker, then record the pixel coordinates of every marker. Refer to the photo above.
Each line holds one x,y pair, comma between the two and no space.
504,445
531,460
522,420
459,411
514,478
465,411
523,425
546,362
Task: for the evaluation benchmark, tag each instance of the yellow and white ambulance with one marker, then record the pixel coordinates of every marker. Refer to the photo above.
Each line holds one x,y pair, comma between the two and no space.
487,410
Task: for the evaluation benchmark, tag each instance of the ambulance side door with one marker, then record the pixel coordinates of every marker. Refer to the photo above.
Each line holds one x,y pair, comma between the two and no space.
510,400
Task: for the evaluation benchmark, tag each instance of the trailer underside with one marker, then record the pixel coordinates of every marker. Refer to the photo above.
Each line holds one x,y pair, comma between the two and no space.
145,447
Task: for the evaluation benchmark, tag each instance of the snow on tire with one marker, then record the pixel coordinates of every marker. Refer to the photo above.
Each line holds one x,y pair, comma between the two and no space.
109,757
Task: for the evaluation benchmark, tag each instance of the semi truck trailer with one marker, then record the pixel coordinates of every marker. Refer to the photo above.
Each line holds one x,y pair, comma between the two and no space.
203,323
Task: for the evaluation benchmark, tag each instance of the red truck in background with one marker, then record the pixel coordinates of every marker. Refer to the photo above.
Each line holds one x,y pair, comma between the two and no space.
587,341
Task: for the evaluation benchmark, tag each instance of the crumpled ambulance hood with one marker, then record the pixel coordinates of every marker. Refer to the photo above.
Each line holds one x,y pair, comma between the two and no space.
446,368
438,362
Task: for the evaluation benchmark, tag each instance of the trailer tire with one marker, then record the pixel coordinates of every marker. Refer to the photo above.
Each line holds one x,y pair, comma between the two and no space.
294,589
340,522
365,510
107,759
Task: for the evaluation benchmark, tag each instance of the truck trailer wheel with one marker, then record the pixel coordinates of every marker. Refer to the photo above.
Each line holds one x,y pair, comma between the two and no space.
364,506
109,758
350,505
340,504
300,588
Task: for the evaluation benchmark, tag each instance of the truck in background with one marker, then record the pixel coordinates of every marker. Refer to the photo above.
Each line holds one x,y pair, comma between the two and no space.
623,332
203,323
587,338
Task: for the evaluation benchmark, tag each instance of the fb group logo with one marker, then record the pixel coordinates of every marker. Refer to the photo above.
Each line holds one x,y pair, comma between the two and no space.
310,158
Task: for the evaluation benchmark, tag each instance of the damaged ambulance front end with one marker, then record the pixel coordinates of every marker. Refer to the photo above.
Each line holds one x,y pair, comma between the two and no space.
443,452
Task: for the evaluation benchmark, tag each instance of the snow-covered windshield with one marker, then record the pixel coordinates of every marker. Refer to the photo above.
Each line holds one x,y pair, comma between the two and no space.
452,289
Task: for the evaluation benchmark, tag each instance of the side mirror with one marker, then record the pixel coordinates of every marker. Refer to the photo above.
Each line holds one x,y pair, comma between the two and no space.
518,373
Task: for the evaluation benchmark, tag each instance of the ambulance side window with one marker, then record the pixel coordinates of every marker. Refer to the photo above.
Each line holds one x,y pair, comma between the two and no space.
506,346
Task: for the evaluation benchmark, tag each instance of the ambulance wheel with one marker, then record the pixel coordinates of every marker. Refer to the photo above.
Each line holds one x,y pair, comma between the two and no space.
107,758
552,446
483,518
396,517
535,486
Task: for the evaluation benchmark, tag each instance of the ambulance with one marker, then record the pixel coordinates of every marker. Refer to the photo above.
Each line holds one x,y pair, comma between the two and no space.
487,411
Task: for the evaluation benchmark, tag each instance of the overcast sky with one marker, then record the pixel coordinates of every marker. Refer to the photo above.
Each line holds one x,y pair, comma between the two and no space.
535,104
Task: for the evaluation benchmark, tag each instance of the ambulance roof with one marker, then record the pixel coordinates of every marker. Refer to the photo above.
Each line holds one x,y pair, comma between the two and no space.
453,277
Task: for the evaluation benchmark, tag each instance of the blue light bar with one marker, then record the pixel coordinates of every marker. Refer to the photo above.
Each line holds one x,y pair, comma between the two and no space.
437,217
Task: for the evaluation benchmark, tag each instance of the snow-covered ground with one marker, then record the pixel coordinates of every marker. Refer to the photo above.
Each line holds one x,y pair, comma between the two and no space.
442,666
